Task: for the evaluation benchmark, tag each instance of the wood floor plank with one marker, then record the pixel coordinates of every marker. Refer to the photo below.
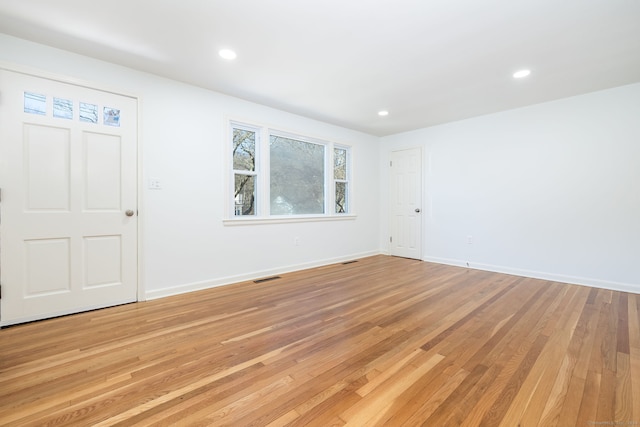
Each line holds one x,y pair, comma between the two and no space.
580,348
588,412
383,341
437,397
555,366
565,388
608,351
623,410
374,399
518,339
634,348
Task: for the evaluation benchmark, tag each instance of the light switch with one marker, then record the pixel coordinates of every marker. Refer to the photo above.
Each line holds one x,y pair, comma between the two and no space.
154,184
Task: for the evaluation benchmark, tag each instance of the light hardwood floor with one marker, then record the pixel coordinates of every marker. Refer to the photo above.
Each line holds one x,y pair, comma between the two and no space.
383,341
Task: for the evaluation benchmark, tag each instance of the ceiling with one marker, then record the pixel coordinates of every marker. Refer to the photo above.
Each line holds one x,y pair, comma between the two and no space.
341,61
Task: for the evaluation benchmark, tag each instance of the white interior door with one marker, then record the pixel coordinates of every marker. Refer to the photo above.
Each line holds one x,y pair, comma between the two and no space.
405,194
68,157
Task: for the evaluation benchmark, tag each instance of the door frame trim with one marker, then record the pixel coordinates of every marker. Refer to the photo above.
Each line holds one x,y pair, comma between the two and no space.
40,73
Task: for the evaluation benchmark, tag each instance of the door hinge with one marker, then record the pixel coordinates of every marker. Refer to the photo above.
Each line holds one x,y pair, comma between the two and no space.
390,163
390,239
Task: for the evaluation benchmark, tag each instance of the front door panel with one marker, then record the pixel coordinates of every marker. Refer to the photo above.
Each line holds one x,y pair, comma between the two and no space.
68,176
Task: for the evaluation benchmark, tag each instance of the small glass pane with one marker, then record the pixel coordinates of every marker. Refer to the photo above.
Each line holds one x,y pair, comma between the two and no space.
62,108
244,150
296,177
341,197
88,113
111,117
340,163
34,103
245,195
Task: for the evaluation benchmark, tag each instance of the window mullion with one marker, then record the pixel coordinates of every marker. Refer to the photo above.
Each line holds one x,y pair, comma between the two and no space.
330,187
265,167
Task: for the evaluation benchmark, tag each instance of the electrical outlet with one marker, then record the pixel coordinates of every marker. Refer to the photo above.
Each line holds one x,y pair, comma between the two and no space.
469,239
296,241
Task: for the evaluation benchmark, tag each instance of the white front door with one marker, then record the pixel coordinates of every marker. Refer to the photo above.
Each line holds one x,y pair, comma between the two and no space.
68,208
405,195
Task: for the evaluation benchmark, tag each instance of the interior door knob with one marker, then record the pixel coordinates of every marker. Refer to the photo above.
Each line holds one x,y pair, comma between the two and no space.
417,210
129,212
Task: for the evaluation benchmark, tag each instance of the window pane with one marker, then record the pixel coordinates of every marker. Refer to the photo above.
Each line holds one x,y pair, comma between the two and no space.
341,197
62,108
297,177
339,163
88,113
34,103
111,116
244,150
245,195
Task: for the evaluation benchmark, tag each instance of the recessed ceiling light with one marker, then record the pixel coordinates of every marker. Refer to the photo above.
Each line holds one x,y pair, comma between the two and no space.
227,54
520,74
383,113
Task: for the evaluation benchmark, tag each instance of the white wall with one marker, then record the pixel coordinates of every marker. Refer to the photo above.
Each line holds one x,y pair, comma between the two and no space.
549,191
184,242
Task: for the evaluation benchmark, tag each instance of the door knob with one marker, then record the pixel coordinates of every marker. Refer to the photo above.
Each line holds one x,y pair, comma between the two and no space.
417,210
129,212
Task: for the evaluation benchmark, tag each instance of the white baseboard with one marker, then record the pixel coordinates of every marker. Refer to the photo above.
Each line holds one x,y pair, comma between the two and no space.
584,281
206,284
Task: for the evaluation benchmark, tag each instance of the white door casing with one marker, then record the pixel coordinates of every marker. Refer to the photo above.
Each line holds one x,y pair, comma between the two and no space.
405,196
68,178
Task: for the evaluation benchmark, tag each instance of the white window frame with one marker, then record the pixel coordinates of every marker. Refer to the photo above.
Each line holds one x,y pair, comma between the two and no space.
262,173
256,172
347,179
308,140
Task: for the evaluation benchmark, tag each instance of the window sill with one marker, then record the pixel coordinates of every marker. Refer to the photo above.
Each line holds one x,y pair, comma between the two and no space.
285,220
